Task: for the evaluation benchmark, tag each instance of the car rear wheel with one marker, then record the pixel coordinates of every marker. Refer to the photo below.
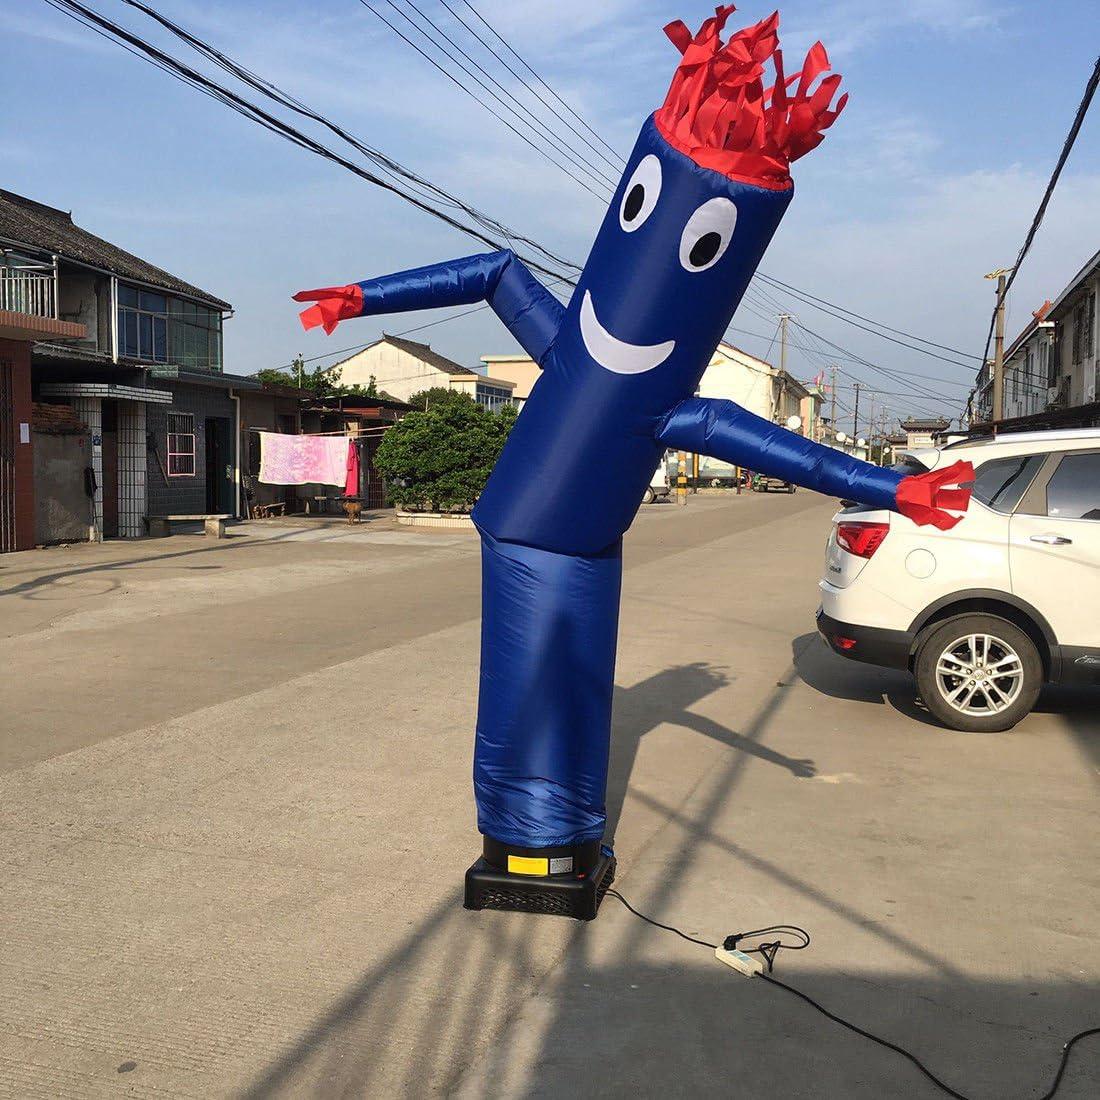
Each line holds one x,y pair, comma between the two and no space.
979,673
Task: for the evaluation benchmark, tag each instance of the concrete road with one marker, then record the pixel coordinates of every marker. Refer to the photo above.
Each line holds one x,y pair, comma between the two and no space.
235,811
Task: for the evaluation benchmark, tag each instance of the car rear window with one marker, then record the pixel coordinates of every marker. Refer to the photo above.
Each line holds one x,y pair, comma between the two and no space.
1074,490
909,466
1001,483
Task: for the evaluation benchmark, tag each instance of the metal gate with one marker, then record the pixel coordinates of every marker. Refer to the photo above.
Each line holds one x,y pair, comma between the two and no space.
372,489
7,456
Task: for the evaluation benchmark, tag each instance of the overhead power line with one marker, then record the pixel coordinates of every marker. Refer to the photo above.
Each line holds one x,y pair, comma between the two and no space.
473,95
1037,220
851,313
408,185
197,80
496,34
393,168
613,160
577,157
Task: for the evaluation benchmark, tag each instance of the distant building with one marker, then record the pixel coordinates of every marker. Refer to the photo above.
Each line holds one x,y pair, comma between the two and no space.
1052,368
758,386
922,432
753,383
136,352
521,370
403,367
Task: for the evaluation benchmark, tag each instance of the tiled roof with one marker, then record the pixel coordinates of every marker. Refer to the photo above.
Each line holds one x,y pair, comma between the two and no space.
928,424
424,353
26,222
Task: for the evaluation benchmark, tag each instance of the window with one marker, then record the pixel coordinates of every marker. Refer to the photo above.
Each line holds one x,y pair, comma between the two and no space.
1073,491
157,328
494,398
181,445
1001,484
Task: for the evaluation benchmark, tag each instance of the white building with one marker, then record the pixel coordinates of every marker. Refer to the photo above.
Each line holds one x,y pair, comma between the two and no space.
755,385
1027,366
1052,369
403,367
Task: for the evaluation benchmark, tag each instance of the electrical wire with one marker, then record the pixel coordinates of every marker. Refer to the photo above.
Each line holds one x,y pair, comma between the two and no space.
458,84
1037,220
413,188
197,80
772,280
524,63
614,161
510,102
395,169
942,1085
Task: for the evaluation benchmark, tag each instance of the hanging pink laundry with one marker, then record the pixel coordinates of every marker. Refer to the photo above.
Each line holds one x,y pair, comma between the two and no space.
303,459
351,488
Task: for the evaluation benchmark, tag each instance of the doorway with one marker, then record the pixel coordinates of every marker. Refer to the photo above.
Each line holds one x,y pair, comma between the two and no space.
109,453
219,466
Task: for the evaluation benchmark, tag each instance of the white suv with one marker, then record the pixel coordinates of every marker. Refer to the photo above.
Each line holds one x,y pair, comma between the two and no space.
987,612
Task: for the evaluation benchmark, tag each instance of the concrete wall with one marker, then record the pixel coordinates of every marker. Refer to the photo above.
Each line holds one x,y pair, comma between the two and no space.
1083,373
62,509
739,377
395,371
84,297
525,372
183,495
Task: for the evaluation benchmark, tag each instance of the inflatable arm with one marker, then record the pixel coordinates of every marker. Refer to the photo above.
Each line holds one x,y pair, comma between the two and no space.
530,312
724,430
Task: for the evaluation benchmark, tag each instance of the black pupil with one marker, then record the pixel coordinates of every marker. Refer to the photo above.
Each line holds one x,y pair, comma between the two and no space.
633,202
705,249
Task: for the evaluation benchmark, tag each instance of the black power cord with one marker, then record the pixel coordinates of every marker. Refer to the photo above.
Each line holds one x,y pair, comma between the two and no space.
769,951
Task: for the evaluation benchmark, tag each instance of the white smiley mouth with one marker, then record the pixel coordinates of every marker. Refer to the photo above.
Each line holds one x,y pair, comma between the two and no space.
617,355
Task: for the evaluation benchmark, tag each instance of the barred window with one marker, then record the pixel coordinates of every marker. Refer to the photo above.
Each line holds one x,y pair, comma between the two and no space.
181,445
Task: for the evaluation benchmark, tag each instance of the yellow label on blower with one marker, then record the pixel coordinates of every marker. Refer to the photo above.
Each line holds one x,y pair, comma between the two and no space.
528,865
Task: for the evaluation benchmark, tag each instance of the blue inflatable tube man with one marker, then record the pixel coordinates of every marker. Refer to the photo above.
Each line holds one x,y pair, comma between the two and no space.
702,194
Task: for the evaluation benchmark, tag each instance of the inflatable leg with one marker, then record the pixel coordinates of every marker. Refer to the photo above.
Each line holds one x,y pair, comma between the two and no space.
549,625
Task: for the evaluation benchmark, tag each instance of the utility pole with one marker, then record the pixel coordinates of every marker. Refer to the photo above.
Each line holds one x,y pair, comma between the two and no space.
999,347
871,429
832,415
855,419
783,319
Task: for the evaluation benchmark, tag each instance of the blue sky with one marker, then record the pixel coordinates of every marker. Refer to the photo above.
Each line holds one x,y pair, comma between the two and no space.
928,181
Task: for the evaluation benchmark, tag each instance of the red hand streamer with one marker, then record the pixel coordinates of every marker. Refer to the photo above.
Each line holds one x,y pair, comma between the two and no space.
334,304
923,498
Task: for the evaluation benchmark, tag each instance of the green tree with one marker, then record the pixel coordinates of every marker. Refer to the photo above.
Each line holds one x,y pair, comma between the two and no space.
321,381
439,460
439,395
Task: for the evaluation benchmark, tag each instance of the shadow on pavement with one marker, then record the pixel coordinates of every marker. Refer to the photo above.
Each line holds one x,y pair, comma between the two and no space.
688,1027
666,698
1079,708
501,993
410,1025
823,670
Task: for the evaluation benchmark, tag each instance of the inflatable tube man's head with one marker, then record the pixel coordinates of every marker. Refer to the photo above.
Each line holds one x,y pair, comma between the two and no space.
710,168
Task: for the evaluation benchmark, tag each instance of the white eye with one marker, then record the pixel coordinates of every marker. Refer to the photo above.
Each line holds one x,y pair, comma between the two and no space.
707,234
641,194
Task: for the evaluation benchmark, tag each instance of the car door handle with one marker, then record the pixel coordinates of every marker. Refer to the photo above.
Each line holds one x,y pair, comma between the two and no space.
1052,540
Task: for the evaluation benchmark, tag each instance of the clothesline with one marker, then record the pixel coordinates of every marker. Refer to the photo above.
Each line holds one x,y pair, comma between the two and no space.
357,432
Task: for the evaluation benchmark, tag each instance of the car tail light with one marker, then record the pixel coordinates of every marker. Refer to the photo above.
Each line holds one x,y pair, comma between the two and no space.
861,539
